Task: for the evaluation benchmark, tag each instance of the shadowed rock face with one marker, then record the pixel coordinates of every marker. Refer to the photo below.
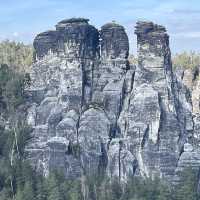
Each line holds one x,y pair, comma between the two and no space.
114,42
45,42
78,39
74,38
92,112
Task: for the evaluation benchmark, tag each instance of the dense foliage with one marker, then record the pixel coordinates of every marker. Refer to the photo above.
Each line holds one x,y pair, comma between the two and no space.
14,133
12,85
16,55
31,186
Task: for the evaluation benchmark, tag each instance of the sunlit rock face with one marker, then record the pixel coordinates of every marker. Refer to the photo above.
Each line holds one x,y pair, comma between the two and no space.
188,81
92,112
151,122
62,84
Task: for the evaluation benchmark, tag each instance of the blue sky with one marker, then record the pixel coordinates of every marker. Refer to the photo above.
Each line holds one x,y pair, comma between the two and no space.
21,20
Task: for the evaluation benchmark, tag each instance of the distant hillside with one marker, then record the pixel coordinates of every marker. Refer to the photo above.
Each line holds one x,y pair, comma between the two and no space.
17,55
186,60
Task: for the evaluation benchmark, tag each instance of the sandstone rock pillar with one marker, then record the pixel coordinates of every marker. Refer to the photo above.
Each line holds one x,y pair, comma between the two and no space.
152,119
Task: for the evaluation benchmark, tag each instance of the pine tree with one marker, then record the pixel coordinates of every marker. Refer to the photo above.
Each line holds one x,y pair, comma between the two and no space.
28,193
41,190
53,188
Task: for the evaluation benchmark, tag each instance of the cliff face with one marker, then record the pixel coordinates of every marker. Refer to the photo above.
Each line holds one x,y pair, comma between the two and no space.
92,112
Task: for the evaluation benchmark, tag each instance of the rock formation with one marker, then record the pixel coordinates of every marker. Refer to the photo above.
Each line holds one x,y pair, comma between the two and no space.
93,112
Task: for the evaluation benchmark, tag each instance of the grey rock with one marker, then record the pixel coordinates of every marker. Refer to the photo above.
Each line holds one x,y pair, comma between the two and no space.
67,127
122,163
57,150
92,112
93,134
45,42
114,41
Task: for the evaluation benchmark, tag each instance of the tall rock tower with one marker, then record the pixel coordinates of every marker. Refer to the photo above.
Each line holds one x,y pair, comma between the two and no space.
154,119
62,84
92,112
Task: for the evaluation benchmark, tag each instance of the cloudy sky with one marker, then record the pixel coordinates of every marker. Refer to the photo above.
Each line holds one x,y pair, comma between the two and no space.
21,20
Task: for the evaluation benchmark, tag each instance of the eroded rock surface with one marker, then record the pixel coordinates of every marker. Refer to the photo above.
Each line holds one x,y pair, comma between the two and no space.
93,112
